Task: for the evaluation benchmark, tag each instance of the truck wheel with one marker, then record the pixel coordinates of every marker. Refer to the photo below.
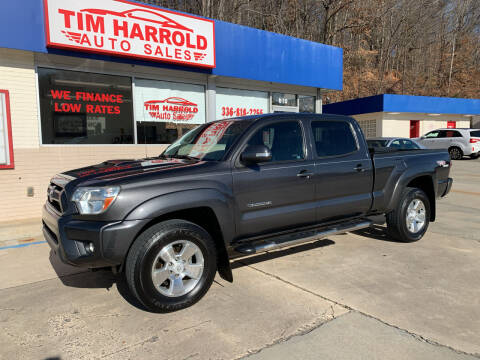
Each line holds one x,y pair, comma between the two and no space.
171,265
409,221
455,153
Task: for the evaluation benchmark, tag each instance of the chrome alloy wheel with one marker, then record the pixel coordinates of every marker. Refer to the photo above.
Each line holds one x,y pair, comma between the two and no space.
415,216
177,269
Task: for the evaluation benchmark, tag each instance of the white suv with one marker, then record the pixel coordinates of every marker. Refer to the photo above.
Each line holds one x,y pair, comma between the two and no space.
459,142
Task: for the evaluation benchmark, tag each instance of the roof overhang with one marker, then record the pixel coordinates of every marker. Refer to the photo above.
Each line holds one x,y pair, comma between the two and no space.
241,52
431,106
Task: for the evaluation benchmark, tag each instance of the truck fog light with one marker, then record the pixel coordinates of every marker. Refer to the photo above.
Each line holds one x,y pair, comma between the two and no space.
90,248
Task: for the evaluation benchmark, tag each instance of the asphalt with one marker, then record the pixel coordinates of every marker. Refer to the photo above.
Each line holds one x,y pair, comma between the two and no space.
352,296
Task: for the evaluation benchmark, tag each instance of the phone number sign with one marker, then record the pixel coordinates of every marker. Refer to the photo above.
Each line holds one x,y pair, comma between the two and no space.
123,28
237,102
232,111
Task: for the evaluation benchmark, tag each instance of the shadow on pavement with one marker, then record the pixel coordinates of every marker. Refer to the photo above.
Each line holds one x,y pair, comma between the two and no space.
255,259
106,279
376,232
99,279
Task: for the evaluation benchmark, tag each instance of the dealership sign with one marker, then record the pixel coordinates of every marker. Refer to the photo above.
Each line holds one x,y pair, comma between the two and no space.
124,28
174,109
170,102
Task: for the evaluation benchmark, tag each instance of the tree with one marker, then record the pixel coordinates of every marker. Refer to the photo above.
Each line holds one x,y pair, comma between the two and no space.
418,47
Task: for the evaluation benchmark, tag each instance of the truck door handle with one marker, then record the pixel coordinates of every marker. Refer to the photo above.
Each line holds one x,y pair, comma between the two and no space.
305,174
359,168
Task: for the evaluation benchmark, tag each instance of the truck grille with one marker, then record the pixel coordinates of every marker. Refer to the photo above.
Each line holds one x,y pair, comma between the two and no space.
56,197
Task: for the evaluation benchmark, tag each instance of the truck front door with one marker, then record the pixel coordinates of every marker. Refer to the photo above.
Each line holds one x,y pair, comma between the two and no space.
278,194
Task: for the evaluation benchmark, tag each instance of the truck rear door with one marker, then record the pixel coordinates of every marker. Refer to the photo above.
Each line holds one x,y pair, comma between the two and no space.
343,169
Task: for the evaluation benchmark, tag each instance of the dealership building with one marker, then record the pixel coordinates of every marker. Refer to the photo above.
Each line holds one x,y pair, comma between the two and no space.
85,81
408,116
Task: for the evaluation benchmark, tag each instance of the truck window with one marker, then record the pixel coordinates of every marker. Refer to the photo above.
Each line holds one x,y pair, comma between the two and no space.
284,139
209,142
333,138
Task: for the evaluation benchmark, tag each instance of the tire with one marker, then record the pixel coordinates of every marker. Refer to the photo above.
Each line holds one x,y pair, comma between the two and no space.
474,156
455,153
401,223
184,282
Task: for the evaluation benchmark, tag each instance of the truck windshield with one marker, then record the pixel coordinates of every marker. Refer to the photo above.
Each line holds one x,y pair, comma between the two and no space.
207,142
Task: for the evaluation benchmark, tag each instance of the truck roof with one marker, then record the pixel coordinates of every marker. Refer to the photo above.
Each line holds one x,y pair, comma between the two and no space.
286,115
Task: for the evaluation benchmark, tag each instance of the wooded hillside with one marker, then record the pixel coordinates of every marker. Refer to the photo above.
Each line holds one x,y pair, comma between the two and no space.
417,47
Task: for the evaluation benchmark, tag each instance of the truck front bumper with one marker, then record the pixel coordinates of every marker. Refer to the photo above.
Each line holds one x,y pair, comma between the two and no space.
89,244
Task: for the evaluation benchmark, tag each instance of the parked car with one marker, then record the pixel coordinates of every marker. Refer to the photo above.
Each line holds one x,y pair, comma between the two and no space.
232,188
459,142
394,143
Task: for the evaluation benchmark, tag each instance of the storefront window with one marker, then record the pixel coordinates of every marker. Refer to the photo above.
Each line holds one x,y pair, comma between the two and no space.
85,108
166,110
306,104
235,102
283,99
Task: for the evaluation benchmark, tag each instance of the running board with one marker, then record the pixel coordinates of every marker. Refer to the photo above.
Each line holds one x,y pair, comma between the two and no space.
300,237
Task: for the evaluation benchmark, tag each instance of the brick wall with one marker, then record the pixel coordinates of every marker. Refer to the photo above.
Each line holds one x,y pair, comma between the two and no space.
35,167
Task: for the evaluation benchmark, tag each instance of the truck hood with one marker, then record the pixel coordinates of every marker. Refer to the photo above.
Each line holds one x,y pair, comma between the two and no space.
116,169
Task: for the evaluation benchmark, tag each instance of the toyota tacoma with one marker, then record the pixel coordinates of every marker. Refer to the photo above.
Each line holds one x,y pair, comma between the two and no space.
233,188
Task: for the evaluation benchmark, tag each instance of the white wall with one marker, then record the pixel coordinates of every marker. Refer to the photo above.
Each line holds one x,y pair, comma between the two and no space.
377,117
390,125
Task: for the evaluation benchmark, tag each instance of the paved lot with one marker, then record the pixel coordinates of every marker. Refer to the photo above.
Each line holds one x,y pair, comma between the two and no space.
353,296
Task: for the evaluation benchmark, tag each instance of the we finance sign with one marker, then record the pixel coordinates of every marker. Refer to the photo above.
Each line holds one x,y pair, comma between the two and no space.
123,28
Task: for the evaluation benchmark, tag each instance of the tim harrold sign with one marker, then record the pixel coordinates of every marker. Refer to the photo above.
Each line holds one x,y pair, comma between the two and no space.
129,29
171,109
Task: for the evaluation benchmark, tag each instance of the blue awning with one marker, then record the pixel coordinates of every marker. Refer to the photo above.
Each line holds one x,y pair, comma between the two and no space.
241,52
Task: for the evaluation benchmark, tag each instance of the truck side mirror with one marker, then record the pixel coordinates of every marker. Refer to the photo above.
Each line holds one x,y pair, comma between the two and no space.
256,154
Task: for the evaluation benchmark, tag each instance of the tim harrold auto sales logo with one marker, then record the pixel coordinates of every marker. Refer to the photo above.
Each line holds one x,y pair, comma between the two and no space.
171,109
129,29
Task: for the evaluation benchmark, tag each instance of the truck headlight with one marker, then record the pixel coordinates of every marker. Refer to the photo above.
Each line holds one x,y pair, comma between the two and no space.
94,200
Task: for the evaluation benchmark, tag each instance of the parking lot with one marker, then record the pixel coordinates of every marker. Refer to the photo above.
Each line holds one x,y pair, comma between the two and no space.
353,296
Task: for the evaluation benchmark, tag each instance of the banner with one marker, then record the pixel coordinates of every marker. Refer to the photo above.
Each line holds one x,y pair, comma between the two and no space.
130,29
164,101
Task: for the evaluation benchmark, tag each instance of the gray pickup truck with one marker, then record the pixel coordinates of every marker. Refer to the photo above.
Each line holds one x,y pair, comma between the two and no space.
232,188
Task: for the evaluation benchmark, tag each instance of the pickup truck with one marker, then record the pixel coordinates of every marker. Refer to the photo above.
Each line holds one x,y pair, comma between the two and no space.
233,188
